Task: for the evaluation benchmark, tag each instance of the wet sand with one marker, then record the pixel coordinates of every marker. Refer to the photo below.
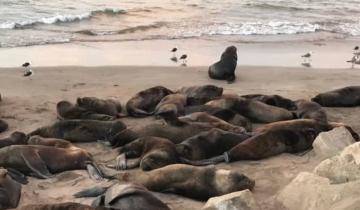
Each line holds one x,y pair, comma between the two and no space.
30,103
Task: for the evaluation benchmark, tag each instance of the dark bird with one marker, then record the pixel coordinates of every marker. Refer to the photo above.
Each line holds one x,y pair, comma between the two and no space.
174,50
28,71
307,57
183,58
26,64
354,60
356,48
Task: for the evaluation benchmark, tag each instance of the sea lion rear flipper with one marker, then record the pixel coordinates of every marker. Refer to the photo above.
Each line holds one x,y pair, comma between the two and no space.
92,192
36,164
94,171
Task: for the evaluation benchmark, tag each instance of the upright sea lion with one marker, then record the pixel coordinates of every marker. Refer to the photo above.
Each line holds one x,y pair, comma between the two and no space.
193,182
3,126
144,102
81,130
16,138
107,107
273,100
254,110
224,114
10,191
198,95
343,97
69,111
151,153
208,144
225,68
170,107
61,206
44,161
125,197
310,110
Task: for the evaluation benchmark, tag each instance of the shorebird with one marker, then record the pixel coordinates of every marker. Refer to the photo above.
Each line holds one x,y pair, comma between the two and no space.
183,58
356,51
354,60
28,71
174,51
307,57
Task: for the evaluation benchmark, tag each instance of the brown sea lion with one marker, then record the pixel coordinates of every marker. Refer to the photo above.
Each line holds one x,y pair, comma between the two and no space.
144,102
151,153
10,191
52,142
69,111
61,206
310,110
225,68
81,130
170,107
224,114
343,97
44,161
16,138
208,144
125,197
100,106
273,100
198,95
3,126
254,110
199,183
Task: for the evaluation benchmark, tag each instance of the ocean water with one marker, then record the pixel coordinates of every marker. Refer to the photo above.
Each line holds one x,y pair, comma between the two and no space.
36,22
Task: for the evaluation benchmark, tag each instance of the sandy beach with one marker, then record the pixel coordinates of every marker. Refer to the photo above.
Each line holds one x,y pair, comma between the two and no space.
30,103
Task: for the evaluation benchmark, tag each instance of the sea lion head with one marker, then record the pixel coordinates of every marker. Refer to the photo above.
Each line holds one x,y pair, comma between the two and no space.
19,137
157,159
317,99
282,102
10,191
184,151
231,181
3,125
116,127
230,52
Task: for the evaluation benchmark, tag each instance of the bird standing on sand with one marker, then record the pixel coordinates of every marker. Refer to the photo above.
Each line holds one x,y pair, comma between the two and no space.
307,57
174,58
183,58
28,71
356,52
355,60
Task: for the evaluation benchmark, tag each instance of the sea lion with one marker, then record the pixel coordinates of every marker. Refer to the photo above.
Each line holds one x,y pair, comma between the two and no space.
16,138
273,100
254,110
144,102
193,182
52,142
198,95
151,153
125,197
225,68
10,191
69,111
61,206
224,114
107,107
176,134
3,126
81,130
343,97
44,161
170,107
310,110
208,144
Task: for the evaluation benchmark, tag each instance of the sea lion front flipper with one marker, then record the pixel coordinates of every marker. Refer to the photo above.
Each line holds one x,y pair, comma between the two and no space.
17,176
94,171
36,164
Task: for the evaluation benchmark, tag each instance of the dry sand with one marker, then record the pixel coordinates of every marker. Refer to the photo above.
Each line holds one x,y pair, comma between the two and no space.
30,103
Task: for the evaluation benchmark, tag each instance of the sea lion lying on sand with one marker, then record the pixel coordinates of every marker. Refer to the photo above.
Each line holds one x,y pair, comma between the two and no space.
290,136
61,206
170,107
151,153
252,109
144,102
208,144
310,110
224,114
124,197
273,100
44,161
81,130
16,138
199,183
52,142
343,97
69,111
10,191
100,106
3,126
198,95
225,68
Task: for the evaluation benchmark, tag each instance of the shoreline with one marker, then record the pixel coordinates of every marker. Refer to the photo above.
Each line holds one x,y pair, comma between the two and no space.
202,52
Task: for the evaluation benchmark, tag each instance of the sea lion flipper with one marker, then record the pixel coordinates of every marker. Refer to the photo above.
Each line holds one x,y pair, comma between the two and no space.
94,171
35,164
